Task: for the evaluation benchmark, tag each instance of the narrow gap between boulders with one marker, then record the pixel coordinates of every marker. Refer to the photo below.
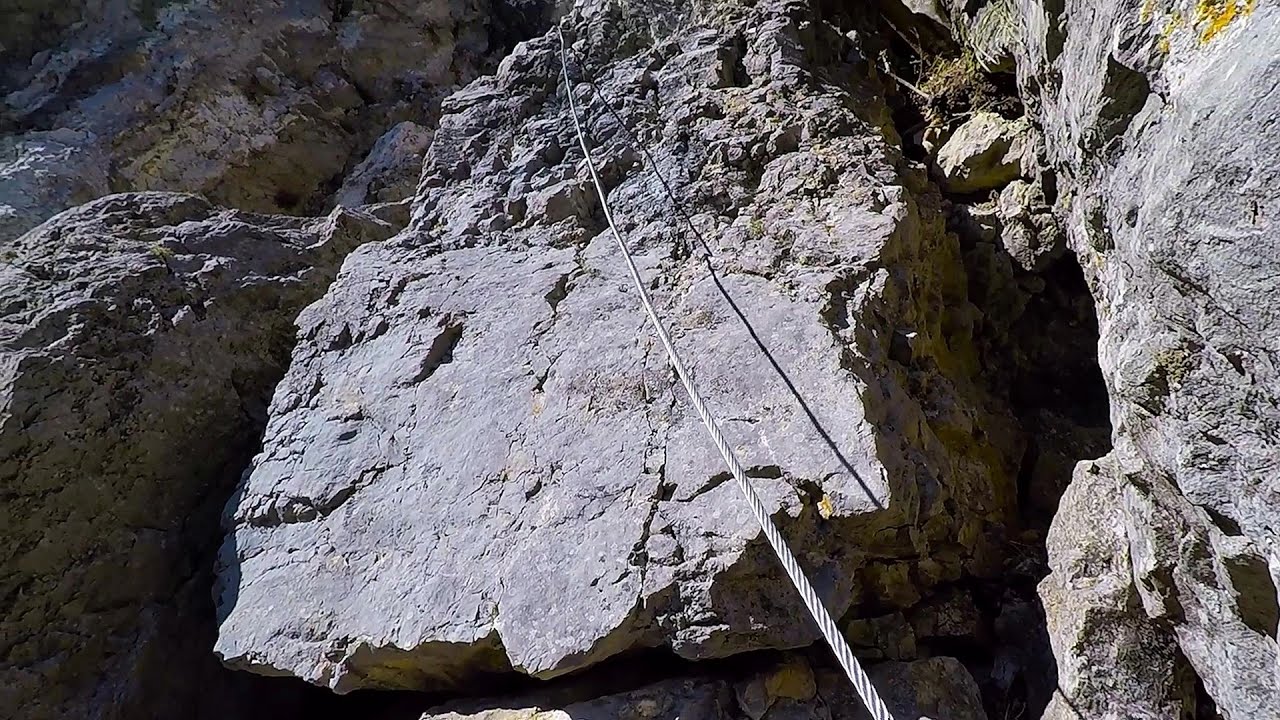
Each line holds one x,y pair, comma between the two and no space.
620,674
1037,338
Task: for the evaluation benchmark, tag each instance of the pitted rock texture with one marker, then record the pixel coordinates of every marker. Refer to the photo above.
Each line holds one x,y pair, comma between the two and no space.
479,463
140,338
1157,117
479,460
44,172
1112,662
261,105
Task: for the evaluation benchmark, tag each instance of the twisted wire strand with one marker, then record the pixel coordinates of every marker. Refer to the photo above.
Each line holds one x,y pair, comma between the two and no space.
844,655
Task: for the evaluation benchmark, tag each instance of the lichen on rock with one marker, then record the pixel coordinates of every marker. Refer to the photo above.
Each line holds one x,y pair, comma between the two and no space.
1171,210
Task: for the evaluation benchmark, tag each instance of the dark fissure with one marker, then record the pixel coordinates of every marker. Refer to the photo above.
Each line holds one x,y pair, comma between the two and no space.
1036,333
1038,336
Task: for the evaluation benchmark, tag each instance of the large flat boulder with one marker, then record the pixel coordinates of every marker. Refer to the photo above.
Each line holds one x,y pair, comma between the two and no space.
479,460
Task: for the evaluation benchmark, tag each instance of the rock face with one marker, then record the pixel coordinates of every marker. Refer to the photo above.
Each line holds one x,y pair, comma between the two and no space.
43,172
467,464
478,460
1156,115
258,105
140,340
1111,663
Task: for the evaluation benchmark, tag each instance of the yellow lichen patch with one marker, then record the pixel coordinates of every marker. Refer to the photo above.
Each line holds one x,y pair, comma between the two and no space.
1096,260
1174,365
1171,26
825,507
1213,16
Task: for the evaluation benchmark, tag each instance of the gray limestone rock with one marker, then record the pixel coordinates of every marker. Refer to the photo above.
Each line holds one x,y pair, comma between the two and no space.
390,172
886,637
1029,231
43,173
479,459
986,152
1157,119
257,104
1113,661
935,689
951,615
140,337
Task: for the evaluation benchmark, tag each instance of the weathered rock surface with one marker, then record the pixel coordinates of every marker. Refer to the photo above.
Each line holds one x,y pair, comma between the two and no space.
935,688
985,153
1157,116
390,172
262,105
1029,232
140,338
42,172
478,460
1112,662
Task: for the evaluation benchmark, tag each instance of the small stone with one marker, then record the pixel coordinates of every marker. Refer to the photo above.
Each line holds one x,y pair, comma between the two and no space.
825,508
753,697
887,636
939,688
793,680
953,616
571,198
984,153
389,173
267,80
1016,200
932,138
